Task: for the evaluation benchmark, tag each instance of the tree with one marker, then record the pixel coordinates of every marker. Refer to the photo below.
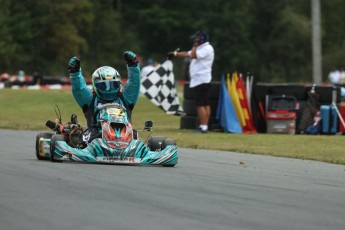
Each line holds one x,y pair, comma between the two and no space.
7,47
271,39
59,25
108,38
333,35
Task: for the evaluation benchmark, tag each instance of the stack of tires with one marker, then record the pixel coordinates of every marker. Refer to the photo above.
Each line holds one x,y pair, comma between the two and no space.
190,119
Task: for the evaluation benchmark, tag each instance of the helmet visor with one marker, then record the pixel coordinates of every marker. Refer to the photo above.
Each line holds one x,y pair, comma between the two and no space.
108,85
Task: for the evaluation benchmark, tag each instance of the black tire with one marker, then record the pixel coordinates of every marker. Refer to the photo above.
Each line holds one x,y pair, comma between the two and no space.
191,122
215,89
214,125
188,122
45,135
189,107
187,92
155,142
167,142
55,138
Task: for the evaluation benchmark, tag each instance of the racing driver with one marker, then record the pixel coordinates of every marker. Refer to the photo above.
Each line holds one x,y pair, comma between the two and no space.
106,88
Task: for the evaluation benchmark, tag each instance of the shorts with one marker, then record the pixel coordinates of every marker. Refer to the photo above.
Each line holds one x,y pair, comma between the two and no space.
202,93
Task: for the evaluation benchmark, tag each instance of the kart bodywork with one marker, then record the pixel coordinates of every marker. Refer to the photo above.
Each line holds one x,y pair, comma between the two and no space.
118,143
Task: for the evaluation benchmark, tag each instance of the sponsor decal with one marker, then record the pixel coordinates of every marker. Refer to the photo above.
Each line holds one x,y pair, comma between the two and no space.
115,111
44,147
118,159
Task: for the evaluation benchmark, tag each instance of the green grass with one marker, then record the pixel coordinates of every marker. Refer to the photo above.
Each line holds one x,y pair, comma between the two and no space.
29,110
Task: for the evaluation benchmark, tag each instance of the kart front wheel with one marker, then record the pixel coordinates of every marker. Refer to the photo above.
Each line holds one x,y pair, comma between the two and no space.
167,142
55,138
44,135
154,143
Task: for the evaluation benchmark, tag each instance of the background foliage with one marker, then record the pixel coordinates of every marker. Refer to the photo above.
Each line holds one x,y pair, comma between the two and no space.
271,38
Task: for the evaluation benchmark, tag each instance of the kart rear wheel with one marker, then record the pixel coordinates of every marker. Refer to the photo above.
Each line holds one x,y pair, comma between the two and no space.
154,143
45,135
55,138
167,142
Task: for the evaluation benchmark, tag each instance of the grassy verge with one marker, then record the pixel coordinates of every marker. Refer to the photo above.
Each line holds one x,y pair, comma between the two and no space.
29,110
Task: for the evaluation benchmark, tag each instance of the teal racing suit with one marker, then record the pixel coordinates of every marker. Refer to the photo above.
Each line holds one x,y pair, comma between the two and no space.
88,101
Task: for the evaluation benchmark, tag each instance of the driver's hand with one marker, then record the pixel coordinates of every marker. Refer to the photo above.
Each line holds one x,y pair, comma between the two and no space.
74,65
131,58
171,54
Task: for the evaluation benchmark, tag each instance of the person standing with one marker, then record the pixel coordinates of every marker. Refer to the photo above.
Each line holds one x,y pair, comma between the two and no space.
334,76
200,71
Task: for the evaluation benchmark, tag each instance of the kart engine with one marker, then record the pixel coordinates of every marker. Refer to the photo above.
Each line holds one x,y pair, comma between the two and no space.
71,131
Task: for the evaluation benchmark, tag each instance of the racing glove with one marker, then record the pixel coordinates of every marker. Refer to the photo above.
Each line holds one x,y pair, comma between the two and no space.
131,58
171,54
74,65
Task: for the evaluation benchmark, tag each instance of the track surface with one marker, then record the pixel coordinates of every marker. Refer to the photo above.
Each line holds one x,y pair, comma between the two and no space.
206,190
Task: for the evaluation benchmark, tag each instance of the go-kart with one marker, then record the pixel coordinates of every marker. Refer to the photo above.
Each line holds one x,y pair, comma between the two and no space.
118,143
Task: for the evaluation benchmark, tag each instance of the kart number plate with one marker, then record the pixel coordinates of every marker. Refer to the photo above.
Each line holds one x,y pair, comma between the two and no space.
114,111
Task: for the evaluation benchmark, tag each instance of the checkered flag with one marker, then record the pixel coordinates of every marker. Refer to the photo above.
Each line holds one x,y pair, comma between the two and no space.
159,87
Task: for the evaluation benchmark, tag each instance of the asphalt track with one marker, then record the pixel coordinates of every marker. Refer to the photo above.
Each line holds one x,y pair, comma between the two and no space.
206,190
